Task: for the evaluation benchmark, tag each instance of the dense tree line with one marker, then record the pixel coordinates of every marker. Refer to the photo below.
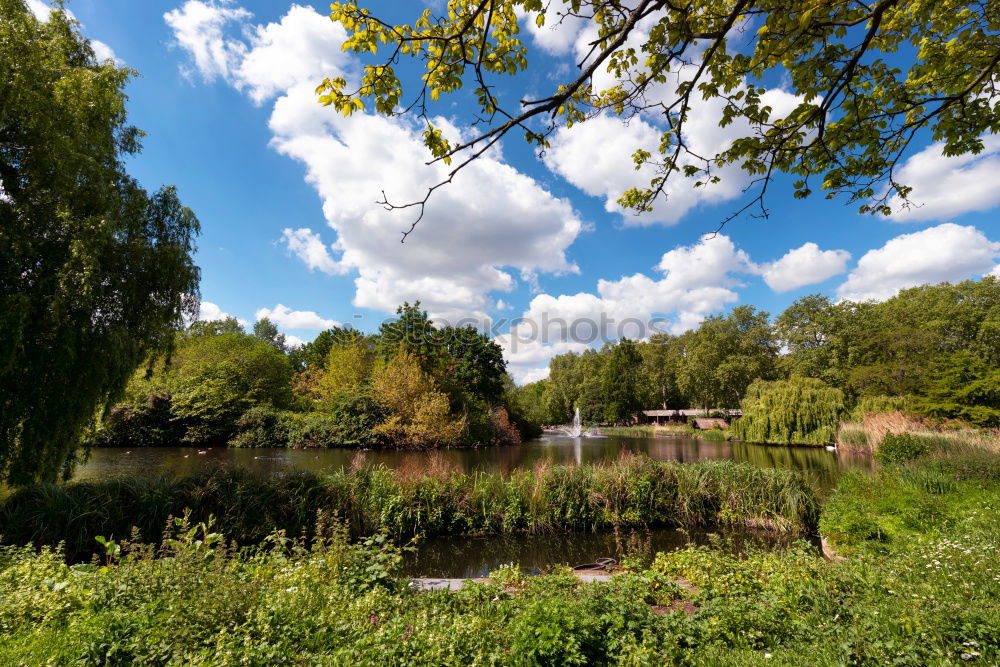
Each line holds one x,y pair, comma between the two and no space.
408,385
934,350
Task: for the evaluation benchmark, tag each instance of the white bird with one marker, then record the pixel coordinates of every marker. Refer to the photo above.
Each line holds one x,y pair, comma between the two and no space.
203,451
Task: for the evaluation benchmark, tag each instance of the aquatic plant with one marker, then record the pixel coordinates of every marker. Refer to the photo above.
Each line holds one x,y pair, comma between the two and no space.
633,491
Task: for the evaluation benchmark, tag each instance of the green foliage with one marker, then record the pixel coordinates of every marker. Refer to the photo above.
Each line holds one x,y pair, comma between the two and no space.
97,274
724,355
900,447
356,416
802,411
619,388
865,79
263,426
630,493
327,599
882,404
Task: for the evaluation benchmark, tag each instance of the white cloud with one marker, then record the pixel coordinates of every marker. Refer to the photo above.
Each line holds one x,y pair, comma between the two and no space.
198,28
945,187
103,52
211,311
947,252
803,266
41,9
308,246
287,318
559,34
293,341
695,281
596,156
492,225
995,271
532,375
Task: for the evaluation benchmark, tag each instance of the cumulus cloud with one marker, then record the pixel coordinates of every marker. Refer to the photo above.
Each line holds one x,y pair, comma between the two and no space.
996,271
803,266
693,282
286,318
947,252
945,187
211,311
198,28
308,246
596,156
480,234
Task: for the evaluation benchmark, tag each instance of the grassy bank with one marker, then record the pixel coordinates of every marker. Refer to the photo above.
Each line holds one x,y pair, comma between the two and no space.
633,491
923,590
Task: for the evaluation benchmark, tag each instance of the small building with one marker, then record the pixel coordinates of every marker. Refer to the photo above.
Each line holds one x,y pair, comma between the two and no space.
662,417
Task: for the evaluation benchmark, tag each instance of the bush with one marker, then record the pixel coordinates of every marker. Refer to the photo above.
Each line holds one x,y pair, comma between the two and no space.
146,422
313,430
356,414
900,447
264,427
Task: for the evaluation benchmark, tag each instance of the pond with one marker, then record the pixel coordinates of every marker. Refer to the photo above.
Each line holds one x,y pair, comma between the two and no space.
820,466
461,557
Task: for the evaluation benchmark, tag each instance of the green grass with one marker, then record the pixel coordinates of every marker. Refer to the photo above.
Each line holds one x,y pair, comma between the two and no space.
633,491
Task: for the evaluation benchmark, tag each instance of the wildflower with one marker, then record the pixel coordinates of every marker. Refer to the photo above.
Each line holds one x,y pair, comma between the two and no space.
767,655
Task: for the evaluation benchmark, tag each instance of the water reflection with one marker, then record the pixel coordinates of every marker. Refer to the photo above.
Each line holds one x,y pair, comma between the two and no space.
821,466
469,557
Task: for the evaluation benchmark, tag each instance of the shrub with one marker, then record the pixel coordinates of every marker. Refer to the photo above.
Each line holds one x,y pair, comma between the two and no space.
901,447
632,492
356,414
263,427
146,422
311,430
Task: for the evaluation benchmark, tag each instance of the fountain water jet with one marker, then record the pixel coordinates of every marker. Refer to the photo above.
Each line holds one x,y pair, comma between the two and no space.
576,429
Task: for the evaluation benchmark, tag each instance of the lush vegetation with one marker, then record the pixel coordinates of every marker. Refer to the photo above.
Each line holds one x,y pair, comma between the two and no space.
410,385
795,411
919,586
930,351
867,78
97,273
631,492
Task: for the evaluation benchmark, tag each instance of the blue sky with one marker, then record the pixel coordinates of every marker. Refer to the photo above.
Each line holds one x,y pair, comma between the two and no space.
286,190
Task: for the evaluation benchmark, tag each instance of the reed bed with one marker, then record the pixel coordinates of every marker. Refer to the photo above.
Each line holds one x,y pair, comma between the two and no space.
866,435
632,492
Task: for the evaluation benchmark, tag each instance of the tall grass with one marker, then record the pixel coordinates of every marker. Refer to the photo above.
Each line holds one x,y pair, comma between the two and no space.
634,491
866,435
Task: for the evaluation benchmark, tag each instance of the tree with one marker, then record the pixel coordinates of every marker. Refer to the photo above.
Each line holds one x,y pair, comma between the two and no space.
861,80
348,366
418,412
478,367
725,354
661,356
797,411
267,331
97,274
620,382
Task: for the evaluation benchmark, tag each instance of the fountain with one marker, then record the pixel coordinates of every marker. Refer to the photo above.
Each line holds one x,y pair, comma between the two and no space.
576,429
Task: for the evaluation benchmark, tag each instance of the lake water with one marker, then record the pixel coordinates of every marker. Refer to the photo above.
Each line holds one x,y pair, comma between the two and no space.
821,467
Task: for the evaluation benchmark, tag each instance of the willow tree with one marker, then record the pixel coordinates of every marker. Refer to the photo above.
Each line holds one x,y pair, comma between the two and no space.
97,274
860,80
797,411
